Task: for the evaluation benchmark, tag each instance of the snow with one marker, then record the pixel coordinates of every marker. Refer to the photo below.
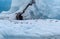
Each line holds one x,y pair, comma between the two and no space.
30,29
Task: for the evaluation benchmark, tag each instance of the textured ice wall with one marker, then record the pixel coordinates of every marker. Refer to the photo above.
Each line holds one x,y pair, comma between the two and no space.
18,5
50,8
46,9
42,9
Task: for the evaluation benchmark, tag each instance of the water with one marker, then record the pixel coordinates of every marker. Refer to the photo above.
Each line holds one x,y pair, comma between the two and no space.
5,5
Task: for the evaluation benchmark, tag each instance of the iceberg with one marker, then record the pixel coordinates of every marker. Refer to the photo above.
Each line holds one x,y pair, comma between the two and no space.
42,9
19,5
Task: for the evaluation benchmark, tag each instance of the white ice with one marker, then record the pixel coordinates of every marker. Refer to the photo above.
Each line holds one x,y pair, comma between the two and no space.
30,29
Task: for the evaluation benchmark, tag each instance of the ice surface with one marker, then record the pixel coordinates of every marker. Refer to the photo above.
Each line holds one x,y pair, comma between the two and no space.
30,29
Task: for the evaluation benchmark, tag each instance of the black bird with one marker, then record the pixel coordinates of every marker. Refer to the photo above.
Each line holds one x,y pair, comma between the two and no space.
19,16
